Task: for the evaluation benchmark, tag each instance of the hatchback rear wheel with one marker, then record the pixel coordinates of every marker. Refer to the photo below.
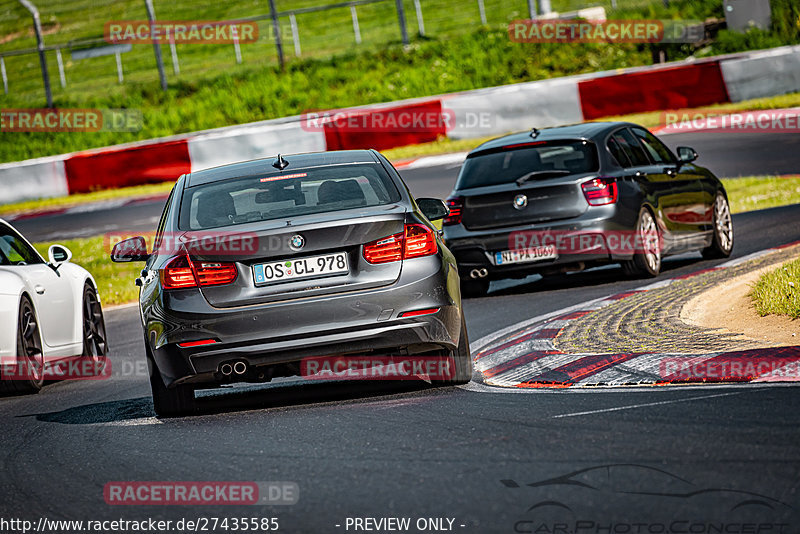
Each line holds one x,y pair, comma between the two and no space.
722,240
646,261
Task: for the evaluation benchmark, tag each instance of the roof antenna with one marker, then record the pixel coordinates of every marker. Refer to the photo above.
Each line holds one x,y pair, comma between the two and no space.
534,133
280,163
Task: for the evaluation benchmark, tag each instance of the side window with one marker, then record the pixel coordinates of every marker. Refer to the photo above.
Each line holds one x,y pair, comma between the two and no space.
162,222
618,153
658,152
14,250
632,148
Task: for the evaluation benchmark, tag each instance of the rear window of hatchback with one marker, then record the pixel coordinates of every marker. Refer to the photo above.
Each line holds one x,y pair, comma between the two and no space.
506,164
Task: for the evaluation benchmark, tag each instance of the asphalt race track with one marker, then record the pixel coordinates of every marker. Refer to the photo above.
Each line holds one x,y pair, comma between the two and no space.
727,154
657,459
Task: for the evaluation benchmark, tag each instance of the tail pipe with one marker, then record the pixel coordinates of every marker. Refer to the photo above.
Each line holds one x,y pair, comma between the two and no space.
479,273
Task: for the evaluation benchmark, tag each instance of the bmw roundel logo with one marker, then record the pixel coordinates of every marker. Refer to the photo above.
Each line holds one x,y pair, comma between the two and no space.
297,242
520,201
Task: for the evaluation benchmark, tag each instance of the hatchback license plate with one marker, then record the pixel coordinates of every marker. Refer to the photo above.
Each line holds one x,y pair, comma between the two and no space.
300,268
547,252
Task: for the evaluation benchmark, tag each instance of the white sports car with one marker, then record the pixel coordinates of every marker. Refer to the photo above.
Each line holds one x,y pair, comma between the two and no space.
49,311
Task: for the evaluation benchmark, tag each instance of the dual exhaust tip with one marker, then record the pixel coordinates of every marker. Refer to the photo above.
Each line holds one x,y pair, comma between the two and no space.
238,367
479,273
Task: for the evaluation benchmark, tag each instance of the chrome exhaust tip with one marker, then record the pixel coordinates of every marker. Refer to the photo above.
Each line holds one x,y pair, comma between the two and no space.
226,369
479,273
240,368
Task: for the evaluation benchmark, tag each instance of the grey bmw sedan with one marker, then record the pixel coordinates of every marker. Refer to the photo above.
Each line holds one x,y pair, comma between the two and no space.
278,267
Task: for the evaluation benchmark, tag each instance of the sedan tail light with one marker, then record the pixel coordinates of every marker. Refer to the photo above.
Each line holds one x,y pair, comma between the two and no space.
600,191
415,241
181,272
455,204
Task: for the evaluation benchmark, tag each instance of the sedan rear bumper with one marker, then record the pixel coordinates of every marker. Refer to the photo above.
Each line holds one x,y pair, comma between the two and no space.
356,322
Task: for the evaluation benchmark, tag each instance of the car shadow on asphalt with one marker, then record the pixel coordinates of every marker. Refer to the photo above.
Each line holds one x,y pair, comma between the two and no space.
259,397
598,277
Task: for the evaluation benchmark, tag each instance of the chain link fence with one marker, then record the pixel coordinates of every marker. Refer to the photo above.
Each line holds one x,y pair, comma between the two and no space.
80,60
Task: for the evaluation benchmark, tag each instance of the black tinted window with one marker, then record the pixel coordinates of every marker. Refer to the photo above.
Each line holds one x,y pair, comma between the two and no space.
511,163
632,148
14,251
618,153
278,196
658,152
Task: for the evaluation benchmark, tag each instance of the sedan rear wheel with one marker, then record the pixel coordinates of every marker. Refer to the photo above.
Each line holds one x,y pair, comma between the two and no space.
722,240
28,375
461,358
168,402
646,260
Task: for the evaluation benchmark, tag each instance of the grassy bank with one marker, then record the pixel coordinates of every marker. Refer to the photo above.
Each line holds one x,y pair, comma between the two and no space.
778,292
115,280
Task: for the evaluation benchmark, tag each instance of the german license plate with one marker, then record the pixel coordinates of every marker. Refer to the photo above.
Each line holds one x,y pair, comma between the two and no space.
525,255
301,268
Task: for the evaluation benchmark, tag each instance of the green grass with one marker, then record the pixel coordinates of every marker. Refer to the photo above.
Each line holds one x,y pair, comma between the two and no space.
86,198
761,192
778,292
114,280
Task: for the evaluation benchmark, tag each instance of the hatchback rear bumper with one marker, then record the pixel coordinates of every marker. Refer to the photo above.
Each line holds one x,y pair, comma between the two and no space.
475,249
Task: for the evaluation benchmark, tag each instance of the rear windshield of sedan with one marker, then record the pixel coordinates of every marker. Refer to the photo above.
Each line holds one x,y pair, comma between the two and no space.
508,164
280,196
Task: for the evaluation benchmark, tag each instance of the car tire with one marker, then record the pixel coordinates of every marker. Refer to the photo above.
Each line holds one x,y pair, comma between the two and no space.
462,359
474,288
169,402
722,240
95,346
647,263
29,347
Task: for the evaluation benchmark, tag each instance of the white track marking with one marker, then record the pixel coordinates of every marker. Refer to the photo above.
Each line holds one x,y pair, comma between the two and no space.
645,405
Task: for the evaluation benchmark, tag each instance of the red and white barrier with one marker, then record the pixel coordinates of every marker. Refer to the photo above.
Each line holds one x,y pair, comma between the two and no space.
479,113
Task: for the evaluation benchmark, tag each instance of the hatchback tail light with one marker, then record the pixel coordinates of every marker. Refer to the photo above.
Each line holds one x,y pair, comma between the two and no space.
455,204
415,241
181,272
600,191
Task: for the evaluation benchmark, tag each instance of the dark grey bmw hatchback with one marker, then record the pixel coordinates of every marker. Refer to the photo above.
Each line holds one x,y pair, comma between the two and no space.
258,266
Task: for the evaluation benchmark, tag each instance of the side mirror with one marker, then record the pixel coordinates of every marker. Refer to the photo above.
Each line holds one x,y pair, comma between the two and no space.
686,154
133,249
58,254
433,208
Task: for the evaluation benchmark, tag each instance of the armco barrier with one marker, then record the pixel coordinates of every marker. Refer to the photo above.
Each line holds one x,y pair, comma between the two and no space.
135,165
678,87
253,142
35,178
761,74
507,108
379,128
510,108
